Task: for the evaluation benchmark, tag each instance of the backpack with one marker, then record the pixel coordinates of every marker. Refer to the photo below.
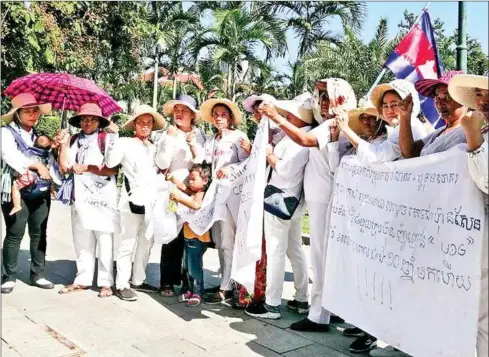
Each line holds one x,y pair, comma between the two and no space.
101,140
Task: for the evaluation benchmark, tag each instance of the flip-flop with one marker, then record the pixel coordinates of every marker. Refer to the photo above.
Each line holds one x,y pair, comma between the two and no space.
100,295
73,288
194,300
167,292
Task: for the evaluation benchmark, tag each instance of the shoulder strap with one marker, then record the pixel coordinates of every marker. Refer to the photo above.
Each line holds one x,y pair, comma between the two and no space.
73,139
102,140
22,145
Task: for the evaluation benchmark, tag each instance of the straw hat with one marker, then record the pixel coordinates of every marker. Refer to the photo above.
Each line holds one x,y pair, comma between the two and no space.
251,100
89,109
364,107
206,110
462,88
301,107
186,100
159,121
24,100
426,87
402,87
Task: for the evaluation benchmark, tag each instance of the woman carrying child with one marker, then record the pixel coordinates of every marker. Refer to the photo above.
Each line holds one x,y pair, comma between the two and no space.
18,137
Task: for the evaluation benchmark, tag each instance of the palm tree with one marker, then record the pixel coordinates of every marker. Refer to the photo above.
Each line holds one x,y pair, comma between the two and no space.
234,41
356,62
310,19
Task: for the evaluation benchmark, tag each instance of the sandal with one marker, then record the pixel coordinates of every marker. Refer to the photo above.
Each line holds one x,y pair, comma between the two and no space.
106,291
167,291
185,297
72,288
194,300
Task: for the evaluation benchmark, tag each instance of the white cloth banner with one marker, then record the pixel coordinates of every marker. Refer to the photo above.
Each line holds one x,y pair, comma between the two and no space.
248,186
96,202
404,249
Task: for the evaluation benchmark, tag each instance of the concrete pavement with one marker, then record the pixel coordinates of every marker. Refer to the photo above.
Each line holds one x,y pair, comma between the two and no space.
43,323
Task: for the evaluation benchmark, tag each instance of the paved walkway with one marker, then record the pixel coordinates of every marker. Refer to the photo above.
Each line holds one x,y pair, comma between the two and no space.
43,323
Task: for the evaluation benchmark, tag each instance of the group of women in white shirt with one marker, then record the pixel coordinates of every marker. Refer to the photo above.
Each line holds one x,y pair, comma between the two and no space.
308,137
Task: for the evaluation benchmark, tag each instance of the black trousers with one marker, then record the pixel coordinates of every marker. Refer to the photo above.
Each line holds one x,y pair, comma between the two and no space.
171,272
34,215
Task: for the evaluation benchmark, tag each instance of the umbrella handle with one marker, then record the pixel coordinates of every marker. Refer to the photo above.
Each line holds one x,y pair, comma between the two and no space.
64,120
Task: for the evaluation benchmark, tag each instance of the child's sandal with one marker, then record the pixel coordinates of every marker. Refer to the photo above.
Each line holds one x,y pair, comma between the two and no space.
194,300
185,297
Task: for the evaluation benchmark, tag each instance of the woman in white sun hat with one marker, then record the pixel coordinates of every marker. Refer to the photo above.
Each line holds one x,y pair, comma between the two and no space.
473,92
136,156
19,129
224,153
178,149
287,161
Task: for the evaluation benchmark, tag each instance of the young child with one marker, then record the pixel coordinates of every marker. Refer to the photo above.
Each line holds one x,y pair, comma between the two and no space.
28,179
194,245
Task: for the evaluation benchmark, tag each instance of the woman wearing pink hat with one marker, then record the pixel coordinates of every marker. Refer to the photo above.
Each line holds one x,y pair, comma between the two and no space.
93,192
18,137
451,112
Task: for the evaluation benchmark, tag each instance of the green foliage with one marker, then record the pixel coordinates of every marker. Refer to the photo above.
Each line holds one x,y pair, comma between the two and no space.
48,125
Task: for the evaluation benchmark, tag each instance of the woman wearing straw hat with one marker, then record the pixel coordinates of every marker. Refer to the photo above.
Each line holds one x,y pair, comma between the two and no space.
94,215
178,150
287,161
473,92
136,156
450,112
19,133
224,153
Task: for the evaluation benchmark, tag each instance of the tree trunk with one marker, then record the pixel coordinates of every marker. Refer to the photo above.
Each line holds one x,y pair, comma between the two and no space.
235,68
228,84
175,85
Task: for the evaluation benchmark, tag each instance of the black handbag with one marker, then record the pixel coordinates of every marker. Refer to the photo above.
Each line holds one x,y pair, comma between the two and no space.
134,208
279,203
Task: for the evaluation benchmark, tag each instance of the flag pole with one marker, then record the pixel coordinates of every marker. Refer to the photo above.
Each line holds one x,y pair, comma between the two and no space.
384,70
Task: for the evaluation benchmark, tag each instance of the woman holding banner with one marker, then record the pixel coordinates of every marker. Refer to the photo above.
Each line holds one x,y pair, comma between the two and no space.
472,91
178,150
94,215
224,153
283,209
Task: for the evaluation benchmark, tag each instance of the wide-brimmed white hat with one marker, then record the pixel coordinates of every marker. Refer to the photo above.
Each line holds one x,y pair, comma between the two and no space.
206,110
159,121
185,100
249,102
462,88
301,107
24,100
364,107
402,87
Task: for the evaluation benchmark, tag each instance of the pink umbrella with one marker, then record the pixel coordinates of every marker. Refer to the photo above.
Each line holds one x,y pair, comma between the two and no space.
64,91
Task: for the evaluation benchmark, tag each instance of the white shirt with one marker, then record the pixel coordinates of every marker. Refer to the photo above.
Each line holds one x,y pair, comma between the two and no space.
338,149
288,174
225,151
11,153
317,172
138,166
389,150
173,153
478,165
